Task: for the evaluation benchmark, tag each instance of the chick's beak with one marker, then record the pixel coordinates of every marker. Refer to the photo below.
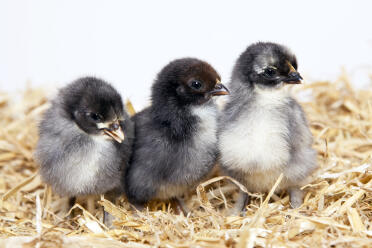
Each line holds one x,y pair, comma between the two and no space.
293,77
219,90
115,131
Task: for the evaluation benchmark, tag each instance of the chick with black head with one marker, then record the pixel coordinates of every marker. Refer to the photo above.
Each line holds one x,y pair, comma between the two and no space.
85,140
176,141
263,131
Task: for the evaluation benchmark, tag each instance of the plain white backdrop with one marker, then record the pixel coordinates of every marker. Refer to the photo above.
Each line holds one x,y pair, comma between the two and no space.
50,42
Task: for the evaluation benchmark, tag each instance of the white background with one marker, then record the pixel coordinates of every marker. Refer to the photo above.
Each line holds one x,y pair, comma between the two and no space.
51,42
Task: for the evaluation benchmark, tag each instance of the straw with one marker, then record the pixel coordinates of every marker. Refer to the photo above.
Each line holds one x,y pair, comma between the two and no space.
337,209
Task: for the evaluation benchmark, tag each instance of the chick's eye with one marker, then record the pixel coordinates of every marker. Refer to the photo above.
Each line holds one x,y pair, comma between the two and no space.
270,72
94,116
196,84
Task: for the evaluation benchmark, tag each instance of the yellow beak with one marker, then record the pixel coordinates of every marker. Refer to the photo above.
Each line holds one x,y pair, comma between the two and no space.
115,131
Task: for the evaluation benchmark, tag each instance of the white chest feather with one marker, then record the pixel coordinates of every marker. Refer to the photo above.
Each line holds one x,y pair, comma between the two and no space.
207,128
85,164
256,141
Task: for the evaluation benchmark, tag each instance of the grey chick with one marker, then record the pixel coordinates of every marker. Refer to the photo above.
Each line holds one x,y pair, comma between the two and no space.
176,137
86,139
263,131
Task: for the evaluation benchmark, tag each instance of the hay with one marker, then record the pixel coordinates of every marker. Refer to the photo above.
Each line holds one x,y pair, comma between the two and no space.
337,210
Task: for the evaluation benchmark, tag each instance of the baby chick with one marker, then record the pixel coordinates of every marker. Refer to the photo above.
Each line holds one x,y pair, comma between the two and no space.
85,140
176,141
263,131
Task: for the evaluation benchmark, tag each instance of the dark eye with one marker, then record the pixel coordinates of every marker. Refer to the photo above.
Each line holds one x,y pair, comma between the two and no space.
270,72
196,84
94,116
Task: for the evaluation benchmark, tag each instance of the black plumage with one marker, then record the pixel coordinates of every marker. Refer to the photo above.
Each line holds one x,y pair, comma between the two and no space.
176,143
86,139
263,131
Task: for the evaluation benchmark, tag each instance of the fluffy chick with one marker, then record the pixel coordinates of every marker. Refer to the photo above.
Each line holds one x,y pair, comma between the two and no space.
85,140
176,141
263,131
